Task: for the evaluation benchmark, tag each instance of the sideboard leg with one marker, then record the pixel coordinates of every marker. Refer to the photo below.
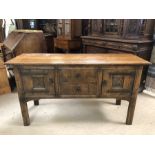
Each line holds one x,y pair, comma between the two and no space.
131,109
118,102
36,102
25,114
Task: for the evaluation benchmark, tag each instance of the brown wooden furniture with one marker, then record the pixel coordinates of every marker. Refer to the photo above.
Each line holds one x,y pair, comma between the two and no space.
77,76
4,83
49,38
68,34
23,41
120,36
2,34
1,54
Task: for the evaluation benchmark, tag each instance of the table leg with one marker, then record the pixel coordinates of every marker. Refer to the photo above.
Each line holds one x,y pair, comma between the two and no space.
131,109
25,114
36,102
118,102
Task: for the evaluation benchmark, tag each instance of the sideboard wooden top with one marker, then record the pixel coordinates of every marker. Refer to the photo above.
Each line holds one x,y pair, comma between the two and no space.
77,59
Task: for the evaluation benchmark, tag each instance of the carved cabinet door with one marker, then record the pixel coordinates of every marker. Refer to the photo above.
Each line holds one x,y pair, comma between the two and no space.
117,82
134,28
97,27
38,82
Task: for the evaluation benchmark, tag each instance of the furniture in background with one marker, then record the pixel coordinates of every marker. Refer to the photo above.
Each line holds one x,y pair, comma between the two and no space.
2,32
4,83
23,41
49,39
68,34
48,26
1,54
120,36
40,76
150,79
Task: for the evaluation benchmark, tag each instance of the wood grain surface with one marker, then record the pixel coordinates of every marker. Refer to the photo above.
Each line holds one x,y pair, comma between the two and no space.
75,59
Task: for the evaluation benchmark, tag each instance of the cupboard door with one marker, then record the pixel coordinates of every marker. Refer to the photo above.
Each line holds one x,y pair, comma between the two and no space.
117,82
134,28
97,27
38,82
113,27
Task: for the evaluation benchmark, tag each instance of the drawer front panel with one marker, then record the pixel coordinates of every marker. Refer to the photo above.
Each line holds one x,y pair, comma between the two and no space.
78,89
38,82
78,75
117,83
112,45
61,43
78,81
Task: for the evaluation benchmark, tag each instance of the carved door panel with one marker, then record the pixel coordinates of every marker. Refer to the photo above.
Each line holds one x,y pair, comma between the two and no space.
117,82
80,82
134,28
97,27
38,82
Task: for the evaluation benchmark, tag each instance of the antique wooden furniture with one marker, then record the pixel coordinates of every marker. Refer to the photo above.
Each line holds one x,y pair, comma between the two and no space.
1,54
4,83
68,34
49,38
48,26
23,41
2,34
77,76
120,36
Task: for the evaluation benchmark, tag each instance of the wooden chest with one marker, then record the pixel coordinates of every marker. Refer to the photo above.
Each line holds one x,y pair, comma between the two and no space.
77,76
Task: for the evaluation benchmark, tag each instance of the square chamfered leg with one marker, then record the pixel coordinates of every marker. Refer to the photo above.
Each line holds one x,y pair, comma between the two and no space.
118,102
25,114
133,98
131,109
36,102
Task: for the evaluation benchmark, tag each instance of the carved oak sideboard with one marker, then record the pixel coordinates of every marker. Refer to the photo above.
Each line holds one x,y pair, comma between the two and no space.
40,76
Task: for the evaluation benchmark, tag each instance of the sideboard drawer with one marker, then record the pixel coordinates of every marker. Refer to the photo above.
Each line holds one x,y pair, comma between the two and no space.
78,89
78,75
38,82
117,82
78,81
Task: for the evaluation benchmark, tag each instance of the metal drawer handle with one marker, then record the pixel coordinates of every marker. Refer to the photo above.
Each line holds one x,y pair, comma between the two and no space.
78,89
77,75
135,47
51,80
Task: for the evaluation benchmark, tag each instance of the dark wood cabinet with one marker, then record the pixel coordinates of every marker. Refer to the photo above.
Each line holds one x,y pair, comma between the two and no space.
121,28
68,34
120,36
2,34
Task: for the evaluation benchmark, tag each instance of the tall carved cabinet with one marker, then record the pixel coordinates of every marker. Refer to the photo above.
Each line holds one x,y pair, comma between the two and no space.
120,36
68,34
